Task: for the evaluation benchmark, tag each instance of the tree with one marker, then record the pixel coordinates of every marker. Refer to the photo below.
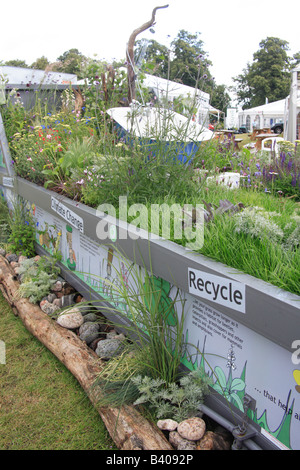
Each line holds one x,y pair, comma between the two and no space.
189,63
154,56
17,63
220,98
70,61
268,76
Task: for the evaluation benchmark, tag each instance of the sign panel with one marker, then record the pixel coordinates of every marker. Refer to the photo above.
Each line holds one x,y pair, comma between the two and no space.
239,360
66,213
217,289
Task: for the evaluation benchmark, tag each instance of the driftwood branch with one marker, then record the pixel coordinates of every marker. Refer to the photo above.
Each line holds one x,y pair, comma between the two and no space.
130,53
128,428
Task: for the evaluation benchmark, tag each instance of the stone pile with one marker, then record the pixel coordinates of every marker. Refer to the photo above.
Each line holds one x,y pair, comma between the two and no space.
191,434
70,310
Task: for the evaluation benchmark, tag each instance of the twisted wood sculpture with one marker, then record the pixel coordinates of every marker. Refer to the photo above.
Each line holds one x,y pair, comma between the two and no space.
130,54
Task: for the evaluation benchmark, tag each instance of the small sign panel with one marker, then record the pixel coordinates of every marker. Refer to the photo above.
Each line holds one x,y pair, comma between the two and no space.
223,291
8,182
71,217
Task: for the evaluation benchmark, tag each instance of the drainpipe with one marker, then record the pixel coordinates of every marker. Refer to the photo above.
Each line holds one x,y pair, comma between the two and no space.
241,433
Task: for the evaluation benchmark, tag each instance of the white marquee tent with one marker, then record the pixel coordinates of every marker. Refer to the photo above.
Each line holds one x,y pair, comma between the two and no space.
262,116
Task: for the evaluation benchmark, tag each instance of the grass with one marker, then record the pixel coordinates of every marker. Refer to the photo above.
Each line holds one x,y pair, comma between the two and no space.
42,406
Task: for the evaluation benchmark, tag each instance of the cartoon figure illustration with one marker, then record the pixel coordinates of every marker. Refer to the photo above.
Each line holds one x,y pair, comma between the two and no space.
107,282
296,375
71,260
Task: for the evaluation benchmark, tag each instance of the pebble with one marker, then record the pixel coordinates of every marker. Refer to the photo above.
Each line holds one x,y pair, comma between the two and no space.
51,297
14,264
2,252
89,331
180,443
12,257
192,429
93,344
167,424
57,302
67,300
57,287
90,317
48,307
108,348
70,320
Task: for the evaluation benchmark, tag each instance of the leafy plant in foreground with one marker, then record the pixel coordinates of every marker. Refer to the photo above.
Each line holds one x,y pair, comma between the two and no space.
22,237
177,401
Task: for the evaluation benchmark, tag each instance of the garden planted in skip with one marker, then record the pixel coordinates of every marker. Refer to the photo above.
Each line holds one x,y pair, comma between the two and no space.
251,221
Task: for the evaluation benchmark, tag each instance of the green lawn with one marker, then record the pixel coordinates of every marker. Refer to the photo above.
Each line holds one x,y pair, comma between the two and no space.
42,406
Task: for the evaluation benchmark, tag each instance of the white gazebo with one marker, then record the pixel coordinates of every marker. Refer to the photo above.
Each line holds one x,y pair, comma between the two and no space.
262,116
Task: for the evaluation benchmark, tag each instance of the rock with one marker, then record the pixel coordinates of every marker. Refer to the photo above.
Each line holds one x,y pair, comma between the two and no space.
37,258
67,300
22,258
57,302
12,257
67,289
90,317
108,348
89,331
180,443
71,320
14,264
2,252
167,424
57,287
186,445
226,435
111,334
47,307
192,429
51,297
213,441
93,344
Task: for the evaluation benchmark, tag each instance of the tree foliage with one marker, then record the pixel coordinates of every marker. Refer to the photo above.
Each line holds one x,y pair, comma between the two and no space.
70,61
40,64
267,77
17,63
189,62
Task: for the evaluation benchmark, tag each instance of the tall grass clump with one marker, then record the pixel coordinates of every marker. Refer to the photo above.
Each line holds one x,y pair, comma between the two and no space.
155,330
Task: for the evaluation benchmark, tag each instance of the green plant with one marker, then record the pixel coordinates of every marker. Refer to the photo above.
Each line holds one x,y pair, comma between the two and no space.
22,227
177,401
4,225
37,288
37,277
115,379
153,325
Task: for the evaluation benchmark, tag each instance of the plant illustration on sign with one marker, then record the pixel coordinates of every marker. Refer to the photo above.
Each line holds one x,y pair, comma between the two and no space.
231,387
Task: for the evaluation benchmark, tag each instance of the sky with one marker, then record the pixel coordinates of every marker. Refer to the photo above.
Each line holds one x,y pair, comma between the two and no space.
231,30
